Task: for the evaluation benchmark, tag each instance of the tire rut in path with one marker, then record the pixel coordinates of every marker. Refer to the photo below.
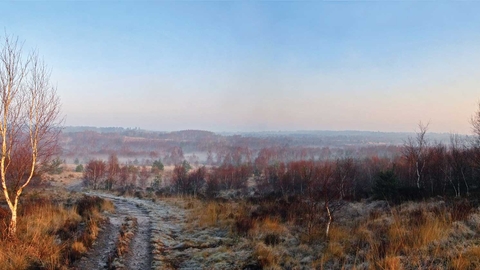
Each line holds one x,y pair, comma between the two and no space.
140,253
167,239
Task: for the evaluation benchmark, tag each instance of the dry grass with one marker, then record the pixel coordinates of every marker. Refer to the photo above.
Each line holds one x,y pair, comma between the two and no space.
313,235
78,249
470,259
265,234
409,236
216,214
391,263
37,242
398,238
416,230
46,234
127,232
91,209
271,225
211,216
266,256
67,178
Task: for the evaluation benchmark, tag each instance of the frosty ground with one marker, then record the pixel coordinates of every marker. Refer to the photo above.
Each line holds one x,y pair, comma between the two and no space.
165,239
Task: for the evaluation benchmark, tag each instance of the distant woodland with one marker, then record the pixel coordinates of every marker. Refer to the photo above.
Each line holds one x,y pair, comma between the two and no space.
210,148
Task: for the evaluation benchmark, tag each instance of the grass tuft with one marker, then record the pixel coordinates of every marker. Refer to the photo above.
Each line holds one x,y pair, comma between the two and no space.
50,235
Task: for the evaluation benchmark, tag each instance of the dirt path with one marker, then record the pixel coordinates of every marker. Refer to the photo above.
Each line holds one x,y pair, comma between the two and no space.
140,255
97,257
164,240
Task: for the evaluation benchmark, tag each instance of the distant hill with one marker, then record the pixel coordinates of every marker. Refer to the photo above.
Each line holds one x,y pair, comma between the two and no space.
69,129
90,142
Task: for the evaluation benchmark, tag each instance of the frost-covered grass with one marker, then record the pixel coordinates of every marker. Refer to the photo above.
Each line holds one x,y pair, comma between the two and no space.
189,233
373,235
127,232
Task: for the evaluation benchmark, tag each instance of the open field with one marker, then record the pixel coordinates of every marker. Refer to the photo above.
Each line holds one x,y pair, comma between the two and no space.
276,211
365,235
240,135
236,232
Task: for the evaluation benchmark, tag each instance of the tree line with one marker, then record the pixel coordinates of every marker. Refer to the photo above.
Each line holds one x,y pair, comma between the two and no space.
421,169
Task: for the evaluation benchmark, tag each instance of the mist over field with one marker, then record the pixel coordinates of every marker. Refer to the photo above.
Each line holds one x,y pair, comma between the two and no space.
143,145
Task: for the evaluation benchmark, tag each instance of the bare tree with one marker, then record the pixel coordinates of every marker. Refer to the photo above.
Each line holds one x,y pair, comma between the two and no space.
94,173
415,151
345,176
29,121
123,176
459,164
113,168
180,178
197,179
133,170
475,121
325,190
143,177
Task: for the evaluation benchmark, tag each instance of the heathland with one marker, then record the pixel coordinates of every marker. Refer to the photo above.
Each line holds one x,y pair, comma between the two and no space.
133,199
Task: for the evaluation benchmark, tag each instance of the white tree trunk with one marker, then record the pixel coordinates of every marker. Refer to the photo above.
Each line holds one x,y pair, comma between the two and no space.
12,227
327,231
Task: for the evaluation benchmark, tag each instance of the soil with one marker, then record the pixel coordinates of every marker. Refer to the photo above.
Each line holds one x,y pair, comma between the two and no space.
165,240
139,256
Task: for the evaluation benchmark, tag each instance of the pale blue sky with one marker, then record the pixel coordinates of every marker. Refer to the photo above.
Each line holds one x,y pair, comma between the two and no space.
253,66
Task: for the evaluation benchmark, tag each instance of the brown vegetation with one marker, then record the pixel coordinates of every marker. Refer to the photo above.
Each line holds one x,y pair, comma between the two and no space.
425,235
29,124
127,231
51,234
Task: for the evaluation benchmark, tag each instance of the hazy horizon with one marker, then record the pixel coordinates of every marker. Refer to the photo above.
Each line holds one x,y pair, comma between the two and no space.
282,132
258,66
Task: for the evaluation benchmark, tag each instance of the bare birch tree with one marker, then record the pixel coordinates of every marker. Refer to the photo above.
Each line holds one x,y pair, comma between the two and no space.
475,121
29,121
415,150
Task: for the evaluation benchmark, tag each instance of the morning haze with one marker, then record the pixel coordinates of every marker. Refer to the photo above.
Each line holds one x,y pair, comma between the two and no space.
239,135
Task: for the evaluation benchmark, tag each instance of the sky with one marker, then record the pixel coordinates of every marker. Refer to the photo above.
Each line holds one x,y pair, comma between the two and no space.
258,66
